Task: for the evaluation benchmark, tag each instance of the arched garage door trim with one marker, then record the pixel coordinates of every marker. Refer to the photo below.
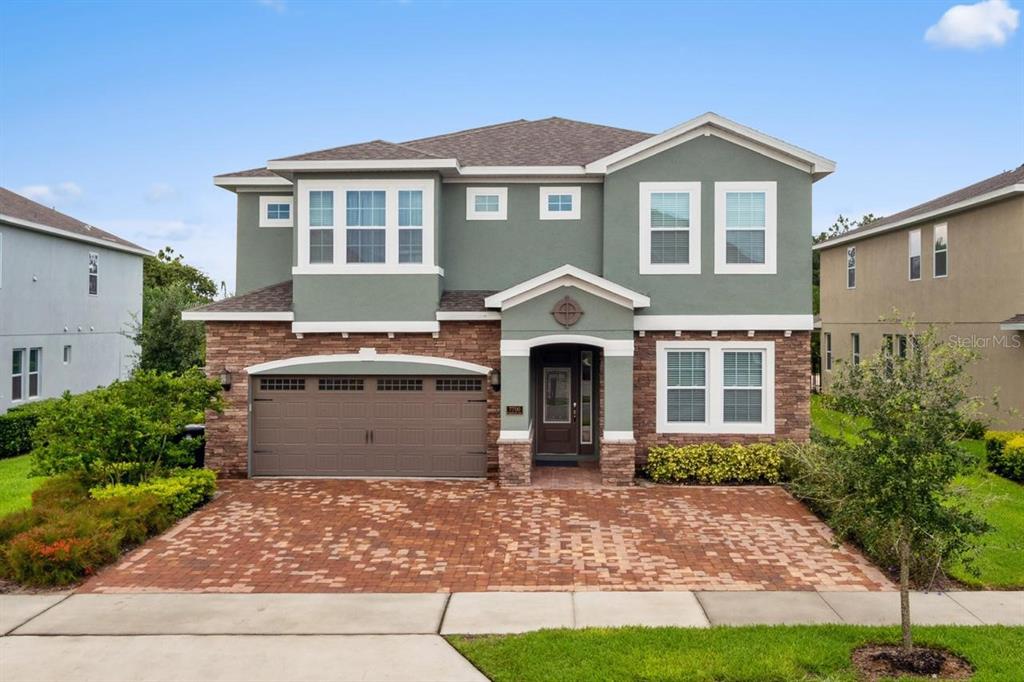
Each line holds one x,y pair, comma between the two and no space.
367,361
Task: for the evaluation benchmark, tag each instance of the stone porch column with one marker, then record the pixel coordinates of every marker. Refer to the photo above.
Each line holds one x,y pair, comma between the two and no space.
618,448
515,442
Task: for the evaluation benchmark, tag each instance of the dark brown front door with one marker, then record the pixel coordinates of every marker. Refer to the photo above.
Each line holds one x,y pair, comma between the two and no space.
562,428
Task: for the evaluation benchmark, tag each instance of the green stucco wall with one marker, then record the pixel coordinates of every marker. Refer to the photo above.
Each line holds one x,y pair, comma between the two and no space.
515,390
263,255
618,393
365,297
708,160
495,254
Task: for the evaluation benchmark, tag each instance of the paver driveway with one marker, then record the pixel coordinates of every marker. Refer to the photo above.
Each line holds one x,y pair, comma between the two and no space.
412,536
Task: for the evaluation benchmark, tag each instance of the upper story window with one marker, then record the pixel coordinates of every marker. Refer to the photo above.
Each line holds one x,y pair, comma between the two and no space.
486,203
94,274
386,226
559,203
941,246
745,227
828,350
715,387
669,228
914,250
275,211
851,267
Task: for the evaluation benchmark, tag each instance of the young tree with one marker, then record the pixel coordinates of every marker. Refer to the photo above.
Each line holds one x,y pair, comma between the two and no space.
901,465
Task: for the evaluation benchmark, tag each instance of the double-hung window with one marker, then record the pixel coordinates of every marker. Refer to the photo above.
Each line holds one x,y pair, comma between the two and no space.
559,203
35,371
486,203
18,374
275,211
855,348
26,373
365,226
715,387
669,228
745,227
914,252
321,226
941,265
851,267
94,274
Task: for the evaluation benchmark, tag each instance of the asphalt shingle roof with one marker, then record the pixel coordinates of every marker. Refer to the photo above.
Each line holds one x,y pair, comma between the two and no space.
276,298
464,301
17,206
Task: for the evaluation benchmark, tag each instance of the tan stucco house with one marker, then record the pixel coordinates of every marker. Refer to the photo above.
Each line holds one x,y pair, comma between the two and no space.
956,261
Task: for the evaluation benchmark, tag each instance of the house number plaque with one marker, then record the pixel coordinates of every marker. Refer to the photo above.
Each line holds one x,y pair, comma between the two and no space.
513,409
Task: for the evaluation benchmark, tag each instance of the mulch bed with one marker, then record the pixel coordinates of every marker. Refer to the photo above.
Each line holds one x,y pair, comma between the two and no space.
877,661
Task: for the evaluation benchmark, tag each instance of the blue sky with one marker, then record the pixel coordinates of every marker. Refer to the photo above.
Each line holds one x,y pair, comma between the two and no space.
120,113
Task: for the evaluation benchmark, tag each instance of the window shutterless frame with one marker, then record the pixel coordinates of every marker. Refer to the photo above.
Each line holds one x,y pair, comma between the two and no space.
94,274
715,385
276,211
914,255
940,244
722,227
18,374
35,372
486,203
851,267
559,203
828,351
855,348
650,222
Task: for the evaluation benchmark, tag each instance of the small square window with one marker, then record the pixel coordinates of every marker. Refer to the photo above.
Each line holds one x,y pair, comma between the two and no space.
486,203
275,211
560,203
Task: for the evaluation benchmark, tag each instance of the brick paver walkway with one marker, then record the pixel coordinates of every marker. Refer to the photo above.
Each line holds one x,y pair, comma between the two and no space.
411,536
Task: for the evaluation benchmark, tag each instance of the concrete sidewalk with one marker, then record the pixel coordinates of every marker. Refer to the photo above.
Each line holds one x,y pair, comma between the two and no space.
179,636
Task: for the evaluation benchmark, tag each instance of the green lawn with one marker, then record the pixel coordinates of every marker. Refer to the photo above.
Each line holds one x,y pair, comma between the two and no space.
15,485
1000,561
810,652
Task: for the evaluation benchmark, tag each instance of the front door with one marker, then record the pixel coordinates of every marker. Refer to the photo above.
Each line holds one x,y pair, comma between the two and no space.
564,380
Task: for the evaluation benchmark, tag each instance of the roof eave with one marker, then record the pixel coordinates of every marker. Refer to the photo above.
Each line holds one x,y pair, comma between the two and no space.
232,182
363,164
987,198
64,234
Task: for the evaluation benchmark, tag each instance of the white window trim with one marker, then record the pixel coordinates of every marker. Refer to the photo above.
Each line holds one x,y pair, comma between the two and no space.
473,192
573,214
266,200
646,266
854,268
23,375
716,387
910,255
390,265
89,274
935,254
771,232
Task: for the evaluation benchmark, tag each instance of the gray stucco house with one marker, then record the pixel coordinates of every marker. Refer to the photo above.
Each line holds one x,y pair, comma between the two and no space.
472,303
68,291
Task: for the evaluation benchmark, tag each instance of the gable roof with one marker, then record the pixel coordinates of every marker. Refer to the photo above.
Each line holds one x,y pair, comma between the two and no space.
994,188
18,210
548,146
566,276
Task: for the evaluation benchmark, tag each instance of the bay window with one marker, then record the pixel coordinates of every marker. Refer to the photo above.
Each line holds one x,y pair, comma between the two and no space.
715,387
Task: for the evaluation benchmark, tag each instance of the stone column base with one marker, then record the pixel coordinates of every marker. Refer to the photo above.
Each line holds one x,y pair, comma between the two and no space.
515,462
618,462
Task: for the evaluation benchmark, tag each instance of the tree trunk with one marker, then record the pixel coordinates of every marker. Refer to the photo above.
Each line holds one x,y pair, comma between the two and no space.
908,642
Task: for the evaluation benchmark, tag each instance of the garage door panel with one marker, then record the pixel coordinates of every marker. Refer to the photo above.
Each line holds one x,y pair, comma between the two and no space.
318,426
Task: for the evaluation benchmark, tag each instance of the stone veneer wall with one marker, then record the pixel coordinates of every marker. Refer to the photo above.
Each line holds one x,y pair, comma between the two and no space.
515,462
792,390
237,345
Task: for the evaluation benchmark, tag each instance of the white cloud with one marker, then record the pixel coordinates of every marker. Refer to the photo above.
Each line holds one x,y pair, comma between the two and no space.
51,195
161,191
279,6
153,230
984,24
208,246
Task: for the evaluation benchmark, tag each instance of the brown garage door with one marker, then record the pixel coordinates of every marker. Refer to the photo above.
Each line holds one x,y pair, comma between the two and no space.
369,426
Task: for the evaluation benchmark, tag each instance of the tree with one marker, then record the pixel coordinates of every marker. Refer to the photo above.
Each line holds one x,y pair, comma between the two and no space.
166,342
900,466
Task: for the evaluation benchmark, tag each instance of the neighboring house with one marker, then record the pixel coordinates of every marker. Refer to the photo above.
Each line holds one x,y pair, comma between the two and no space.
459,305
68,292
957,262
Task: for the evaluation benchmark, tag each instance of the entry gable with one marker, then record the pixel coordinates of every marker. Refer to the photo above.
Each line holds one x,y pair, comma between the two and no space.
567,276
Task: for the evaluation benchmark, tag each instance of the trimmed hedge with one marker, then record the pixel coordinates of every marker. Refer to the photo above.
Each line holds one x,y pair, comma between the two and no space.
71,532
712,464
181,492
1005,451
16,428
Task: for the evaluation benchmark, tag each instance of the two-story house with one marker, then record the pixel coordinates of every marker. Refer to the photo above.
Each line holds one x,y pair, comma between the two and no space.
956,262
68,294
544,290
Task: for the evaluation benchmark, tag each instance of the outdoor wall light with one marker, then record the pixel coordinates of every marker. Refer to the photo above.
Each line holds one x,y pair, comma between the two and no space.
495,379
225,379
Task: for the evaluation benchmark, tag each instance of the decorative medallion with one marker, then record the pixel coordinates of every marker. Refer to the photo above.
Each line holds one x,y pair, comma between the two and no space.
567,312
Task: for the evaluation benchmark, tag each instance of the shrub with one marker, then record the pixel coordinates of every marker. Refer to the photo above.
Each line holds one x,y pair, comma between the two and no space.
711,464
1005,451
16,427
127,431
181,492
974,429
